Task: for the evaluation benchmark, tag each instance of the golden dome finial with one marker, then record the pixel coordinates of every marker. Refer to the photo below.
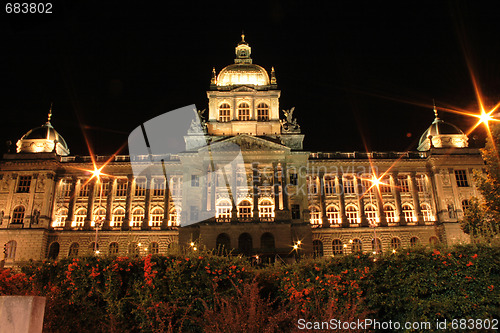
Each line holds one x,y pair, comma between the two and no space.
435,109
49,116
242,37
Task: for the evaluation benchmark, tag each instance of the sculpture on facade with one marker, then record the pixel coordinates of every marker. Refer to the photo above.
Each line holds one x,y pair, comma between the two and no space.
289,124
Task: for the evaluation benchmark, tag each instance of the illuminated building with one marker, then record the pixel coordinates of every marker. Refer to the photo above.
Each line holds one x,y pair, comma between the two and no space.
322,203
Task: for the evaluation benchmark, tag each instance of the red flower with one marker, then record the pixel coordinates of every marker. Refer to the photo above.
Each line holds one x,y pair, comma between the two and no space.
470,263
474,256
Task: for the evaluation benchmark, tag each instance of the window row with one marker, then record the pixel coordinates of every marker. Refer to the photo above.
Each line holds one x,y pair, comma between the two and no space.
353,215
245,209
243,112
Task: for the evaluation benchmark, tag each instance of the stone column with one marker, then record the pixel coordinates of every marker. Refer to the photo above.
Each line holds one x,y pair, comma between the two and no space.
109,204
255,191
234,193
416,199
90,206
284,188
166,205
397,197
204,189
213,189
276,187
322,199
71,206
380,206
128,204
343,216
147,204
361,203
432,187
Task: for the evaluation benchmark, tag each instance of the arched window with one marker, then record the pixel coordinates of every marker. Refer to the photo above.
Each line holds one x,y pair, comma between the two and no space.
315,215
245,244
371,214
137,217
262,112
352,214
113,248
337,247
99,215
18,215
426,212
245,209
376,245
414,241
154,248
173,218
266,209
433,241
80,216
61,216
395,243
156,217
223,211
118,217
317,248
10,250
356,245
223,243
243,111
224,112
333,215
408,214
267,241
133,249
73,250
390,213
53,251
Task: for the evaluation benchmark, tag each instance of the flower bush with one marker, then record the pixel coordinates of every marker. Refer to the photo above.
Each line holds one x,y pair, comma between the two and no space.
208,293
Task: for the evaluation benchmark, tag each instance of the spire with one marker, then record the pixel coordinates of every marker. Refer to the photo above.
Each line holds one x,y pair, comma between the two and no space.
214,77
242,38
273,76
435,109
49,116
243,51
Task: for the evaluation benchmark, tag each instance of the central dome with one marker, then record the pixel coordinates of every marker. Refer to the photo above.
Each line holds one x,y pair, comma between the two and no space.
243,74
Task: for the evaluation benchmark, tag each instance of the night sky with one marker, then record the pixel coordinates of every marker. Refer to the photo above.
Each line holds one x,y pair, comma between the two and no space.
352,70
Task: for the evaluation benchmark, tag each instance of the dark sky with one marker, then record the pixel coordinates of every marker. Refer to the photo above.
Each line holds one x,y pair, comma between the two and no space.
353,70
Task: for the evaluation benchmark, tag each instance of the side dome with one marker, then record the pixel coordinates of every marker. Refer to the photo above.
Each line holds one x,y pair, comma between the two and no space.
43,139
442,135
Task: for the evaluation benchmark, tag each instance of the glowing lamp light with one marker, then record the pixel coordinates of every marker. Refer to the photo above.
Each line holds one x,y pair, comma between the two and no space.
350,241
299,242
97,252
374,252
345,245
257,257
191,244
393,250
195,248
295,247
139,244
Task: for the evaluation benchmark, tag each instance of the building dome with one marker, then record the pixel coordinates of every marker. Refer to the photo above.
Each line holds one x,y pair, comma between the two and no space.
243,74
443,135
43,139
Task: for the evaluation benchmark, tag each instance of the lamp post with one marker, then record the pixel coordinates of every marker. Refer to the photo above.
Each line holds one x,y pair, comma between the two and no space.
98,221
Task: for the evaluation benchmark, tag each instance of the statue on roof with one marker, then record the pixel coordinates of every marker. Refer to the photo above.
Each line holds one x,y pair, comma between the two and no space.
289,124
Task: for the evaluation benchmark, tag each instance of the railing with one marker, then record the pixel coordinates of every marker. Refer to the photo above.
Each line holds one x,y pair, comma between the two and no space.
368,155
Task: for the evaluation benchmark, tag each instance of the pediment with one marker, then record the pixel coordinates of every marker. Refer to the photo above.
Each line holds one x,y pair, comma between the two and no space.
246,143
244,89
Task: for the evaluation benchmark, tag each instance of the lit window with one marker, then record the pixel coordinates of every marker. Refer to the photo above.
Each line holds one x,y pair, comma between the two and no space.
137,217
371,214
23,186
159,187
357,245
61,216
329,185
266,209
312,186
352,215
121,189
84,190
245,209
461,178
337,247
395,243
140,187
156,217
421,185
243,111
154,248
173,218
404,185
315,215
118,217
223,211
262,112
333,215
80,216
348,183
65,188
390,213
426,212
224,113
18,215
385,185
408,214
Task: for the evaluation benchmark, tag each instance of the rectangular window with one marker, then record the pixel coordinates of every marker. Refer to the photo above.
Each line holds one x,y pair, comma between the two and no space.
403,184
367,185
224,115
140,188
461,177
421,183
195,180
295,212
23,186
293,179
329,186
193,213
66,188
84,190
121,189
385,185
175,186
349,185
312,186
158,188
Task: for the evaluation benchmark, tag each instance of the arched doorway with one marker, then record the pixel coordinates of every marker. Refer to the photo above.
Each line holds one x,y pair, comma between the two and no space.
53,251
223,243
245,244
